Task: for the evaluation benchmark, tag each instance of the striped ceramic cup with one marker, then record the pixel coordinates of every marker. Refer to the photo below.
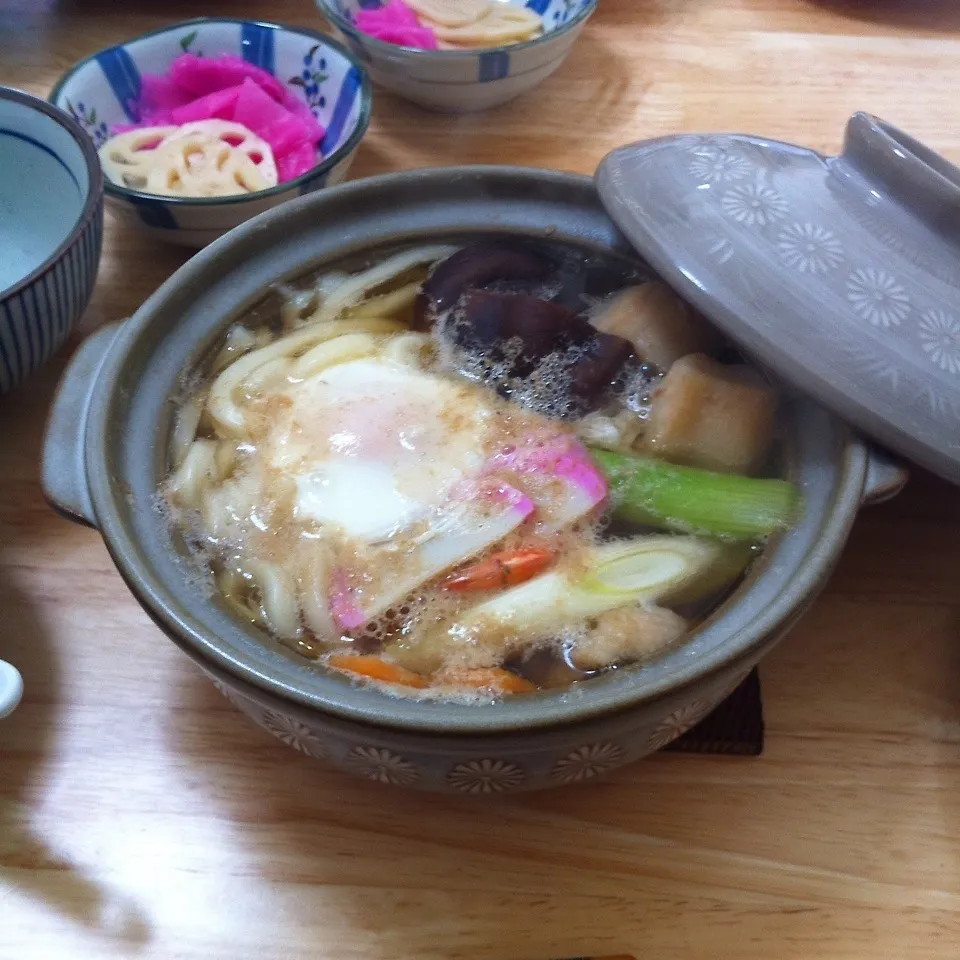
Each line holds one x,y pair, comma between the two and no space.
51,224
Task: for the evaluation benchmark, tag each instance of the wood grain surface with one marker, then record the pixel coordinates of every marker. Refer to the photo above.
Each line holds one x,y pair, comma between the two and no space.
142,817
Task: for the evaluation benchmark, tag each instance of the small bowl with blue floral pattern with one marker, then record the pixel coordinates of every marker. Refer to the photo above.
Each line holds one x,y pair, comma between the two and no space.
103,94
464,80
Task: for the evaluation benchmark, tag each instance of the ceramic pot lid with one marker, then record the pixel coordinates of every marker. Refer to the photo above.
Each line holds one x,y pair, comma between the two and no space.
841,273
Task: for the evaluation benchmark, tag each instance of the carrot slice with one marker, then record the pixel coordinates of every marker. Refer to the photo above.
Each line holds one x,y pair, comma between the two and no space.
504,569
375,668
492,678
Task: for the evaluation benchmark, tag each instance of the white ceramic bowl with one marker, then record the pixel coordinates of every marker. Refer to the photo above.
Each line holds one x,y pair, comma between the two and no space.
460,81
11,688
103,90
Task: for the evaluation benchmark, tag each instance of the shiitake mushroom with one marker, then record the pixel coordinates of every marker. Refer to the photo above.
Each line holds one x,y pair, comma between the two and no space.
490,294
475,267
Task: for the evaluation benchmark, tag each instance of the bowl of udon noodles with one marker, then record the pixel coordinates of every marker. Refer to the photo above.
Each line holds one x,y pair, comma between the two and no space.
438,483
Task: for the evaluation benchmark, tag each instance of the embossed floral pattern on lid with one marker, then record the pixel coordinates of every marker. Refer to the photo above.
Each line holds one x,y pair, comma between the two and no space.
877,297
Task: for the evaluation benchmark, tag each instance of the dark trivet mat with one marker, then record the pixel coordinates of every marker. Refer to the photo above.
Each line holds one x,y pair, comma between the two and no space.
735,727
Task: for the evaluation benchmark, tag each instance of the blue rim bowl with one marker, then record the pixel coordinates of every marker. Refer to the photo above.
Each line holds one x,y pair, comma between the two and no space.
469,79
102,91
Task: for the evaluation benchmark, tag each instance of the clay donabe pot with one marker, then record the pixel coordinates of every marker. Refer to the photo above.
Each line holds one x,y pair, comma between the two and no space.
106,453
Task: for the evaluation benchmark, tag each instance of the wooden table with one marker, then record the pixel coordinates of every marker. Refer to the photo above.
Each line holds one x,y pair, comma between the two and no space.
142,817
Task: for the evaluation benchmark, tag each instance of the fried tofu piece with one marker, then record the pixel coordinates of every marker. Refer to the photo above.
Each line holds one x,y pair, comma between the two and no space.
706,414
661,327
629,633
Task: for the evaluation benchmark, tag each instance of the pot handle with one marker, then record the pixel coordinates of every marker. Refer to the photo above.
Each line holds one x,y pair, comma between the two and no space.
63,474
886,477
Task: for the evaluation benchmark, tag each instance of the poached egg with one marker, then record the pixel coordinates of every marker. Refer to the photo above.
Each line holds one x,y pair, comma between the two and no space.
374,446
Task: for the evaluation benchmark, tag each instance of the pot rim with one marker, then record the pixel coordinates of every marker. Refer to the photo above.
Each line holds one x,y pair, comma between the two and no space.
623,689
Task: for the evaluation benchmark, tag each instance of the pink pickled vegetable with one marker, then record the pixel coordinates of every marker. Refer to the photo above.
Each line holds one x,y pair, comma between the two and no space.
229,88
296,163
199,76
393,14
220,105
255,107
300,110
161,93
421,38
396,23
270,120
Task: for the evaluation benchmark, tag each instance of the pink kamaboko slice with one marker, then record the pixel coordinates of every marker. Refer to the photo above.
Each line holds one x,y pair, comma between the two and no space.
345,601
558,475
480,518
396,23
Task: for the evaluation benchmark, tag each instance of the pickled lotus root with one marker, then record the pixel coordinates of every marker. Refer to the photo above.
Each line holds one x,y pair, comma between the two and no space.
501,24
128,157
202,166
206,158
237,136
450,13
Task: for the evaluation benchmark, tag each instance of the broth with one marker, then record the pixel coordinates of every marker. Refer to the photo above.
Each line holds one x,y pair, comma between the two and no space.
423,469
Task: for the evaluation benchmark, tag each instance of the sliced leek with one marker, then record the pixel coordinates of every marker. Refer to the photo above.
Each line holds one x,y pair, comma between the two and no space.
642,570
659,494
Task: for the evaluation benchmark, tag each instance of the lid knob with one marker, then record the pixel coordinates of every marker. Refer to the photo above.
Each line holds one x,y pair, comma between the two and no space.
904,170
